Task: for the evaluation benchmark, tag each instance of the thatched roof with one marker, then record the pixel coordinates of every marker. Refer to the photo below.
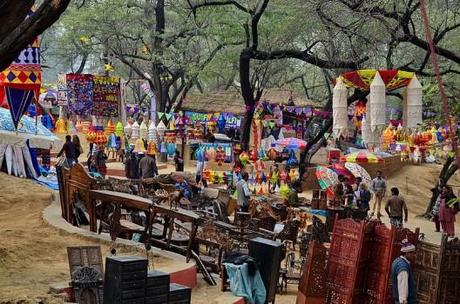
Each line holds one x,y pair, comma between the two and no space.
231,101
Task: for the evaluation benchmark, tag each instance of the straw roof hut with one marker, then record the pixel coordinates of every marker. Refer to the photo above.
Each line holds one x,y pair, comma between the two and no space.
231,101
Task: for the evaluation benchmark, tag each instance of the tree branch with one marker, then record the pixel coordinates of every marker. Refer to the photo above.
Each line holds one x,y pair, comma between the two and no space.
26,31
195,6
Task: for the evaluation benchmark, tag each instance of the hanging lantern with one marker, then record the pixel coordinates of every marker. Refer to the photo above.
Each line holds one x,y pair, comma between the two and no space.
78,126
221,122
119,130
244,158
272,153
139,146
220,155
60,126
211,154
161,128
128,130
143,131
135,130
85,126
110,129
152,132
71,128
112,141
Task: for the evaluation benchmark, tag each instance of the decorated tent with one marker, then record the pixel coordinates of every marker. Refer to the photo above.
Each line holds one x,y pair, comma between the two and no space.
15,144
20,82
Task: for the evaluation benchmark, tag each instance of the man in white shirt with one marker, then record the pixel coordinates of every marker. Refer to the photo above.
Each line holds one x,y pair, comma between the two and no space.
243,192
402,281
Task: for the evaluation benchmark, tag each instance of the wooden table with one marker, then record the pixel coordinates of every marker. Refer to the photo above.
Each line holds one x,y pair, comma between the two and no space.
121,199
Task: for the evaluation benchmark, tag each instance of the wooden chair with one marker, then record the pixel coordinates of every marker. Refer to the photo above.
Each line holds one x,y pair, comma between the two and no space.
292,272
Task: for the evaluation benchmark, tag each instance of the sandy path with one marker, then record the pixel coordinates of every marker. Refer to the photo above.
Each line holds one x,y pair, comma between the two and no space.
32,254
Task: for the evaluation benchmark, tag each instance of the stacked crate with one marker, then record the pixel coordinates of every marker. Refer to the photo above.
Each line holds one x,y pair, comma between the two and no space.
125,280
157,287
128,282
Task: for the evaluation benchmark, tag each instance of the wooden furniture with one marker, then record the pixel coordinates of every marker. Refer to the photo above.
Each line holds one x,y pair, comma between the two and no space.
120,199
74,184
293,270
170,215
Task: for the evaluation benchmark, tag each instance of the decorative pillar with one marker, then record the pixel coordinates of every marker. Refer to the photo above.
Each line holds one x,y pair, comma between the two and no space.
414,106
377,104
339,109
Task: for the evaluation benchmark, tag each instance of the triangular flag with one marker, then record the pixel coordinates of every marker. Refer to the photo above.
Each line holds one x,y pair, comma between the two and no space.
18,102
160,115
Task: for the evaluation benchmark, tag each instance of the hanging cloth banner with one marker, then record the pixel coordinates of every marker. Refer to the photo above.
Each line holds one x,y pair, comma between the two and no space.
80,94
106,96
62,91
18,101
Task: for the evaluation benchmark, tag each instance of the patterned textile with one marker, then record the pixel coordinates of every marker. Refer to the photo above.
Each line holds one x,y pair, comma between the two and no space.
396,222
106,96
362,79
80,93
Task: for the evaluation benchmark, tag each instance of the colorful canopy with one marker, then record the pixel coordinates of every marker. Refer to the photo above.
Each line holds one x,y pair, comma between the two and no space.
340,169
292,143
21,81
362,157
359,171
362,79
326,179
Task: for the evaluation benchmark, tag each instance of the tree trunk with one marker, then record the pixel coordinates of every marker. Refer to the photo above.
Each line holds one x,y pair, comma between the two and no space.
12,42
247,91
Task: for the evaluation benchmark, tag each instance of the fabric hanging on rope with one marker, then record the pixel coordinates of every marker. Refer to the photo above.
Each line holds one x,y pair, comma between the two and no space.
80,94
106,96
18,102
362,79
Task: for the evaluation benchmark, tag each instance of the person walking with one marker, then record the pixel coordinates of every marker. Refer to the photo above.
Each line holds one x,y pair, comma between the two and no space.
101,159
396,208
379,187
148,166
448,208
199,172
68,149
243,193
403,287
179,162
363,197
78,147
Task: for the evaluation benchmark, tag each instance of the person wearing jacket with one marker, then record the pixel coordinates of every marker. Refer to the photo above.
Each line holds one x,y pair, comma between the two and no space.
403,287
448,208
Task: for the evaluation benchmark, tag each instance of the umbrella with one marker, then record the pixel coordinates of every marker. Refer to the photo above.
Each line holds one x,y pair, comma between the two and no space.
292,143
359,171
340,169
362,157
326,179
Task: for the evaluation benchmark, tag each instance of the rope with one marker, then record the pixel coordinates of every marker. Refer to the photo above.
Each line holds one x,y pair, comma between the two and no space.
434,59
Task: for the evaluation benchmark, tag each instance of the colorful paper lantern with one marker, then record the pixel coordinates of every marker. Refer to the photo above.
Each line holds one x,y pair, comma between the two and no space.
61,126
143,130
119,130
135,130
139,146
110,129
128,129
152,148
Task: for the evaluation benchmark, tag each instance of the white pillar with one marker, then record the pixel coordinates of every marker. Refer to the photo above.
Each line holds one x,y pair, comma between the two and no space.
414,103
377,102
339,109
